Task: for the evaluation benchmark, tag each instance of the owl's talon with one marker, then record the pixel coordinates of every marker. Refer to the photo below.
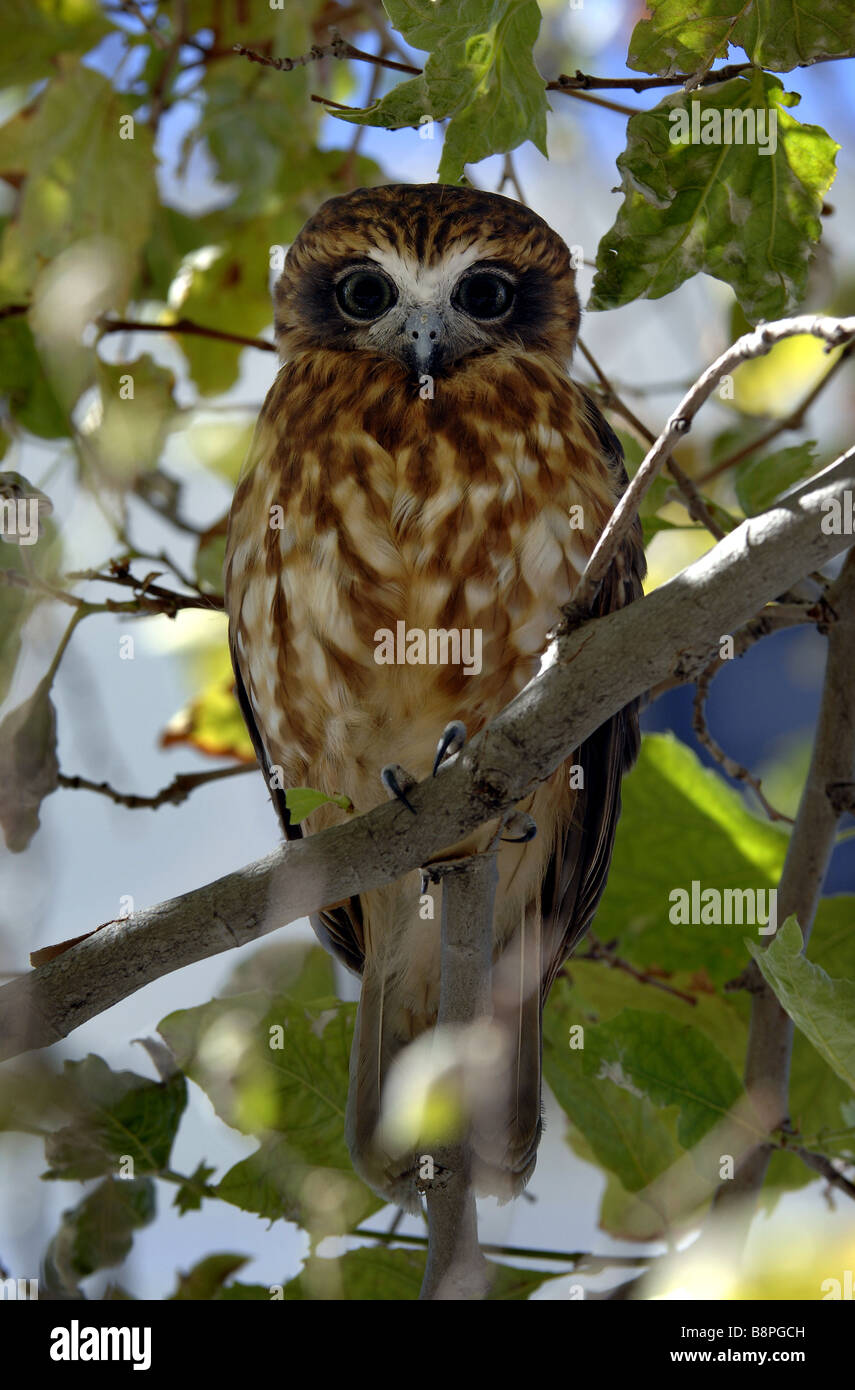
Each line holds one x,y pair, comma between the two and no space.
397,783
522,829
451,741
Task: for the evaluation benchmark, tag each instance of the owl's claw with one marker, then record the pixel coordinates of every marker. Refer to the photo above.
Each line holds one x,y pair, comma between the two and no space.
451,741
397,783
522,829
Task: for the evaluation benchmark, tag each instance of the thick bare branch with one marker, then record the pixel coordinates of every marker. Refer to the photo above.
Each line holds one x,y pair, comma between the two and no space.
767,1066
456,1268
595,672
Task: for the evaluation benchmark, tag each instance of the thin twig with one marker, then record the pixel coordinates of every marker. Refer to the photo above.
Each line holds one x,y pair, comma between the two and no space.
150,596
733,769
605,952
178,790
337,48
695,504
820,1164
510,176
585,82
578,1258
794,421
758,343
187,326
135,11
162,80
608,105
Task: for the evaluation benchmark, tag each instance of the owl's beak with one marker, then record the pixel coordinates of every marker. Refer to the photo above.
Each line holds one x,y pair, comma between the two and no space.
425,335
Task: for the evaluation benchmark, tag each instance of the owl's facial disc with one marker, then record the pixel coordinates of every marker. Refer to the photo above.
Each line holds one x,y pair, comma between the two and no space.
430,275
426,316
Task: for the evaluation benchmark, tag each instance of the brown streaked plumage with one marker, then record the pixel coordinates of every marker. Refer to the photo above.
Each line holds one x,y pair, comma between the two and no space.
422,457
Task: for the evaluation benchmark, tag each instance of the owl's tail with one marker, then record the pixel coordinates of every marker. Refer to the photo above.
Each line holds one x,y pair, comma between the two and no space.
501,1093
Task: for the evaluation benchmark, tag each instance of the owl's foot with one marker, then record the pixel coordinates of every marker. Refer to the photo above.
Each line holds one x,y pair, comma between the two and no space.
451,741
522,828
398,782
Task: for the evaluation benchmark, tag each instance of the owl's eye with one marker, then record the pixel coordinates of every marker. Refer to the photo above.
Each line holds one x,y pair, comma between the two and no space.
365,294
484,295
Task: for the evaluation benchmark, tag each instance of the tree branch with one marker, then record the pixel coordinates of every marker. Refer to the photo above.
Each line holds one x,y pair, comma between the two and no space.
767,1067
178,790
186,326
585,82
456,1268
678,626
337,48
824,1166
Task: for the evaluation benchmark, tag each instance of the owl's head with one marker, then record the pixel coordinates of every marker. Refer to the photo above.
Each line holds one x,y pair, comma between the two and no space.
429,274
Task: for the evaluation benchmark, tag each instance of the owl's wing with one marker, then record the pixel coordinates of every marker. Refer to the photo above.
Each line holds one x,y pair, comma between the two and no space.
339,927
576,874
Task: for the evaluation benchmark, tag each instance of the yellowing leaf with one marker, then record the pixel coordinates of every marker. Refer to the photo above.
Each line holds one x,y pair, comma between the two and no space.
212,723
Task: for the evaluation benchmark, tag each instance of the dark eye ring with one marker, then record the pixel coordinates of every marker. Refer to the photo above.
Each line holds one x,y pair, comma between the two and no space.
365,294
484,295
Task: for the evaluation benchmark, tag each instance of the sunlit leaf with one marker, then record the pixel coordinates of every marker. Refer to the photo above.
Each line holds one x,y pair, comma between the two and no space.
682,201
681,37
480,74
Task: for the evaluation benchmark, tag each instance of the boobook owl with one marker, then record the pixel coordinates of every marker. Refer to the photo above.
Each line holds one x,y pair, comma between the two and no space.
425,465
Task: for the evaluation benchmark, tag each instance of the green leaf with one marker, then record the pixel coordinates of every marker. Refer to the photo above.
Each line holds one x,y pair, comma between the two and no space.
781,35
748,218
99,1231
670,799
194,1189
209,562
302,801
819,1098
30,1097
125,436
29,770
84,180
480,73
17,601
225,285
221,445
600,992
288,26
759,481
325,1198
116,1116
36,32
258,129
31,397
207,1278
672,1064
276,1066
212,722
822,1007
377,1274
627,1133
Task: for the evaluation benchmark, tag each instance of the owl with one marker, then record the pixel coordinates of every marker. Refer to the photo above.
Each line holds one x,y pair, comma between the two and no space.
424,488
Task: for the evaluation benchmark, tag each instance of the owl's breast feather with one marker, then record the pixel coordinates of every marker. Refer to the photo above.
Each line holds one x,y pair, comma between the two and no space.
375,525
